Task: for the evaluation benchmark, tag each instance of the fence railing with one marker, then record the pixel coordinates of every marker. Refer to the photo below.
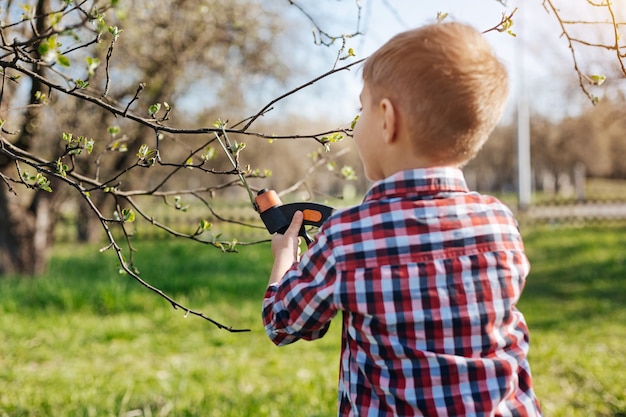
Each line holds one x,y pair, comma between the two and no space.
244,224
575,213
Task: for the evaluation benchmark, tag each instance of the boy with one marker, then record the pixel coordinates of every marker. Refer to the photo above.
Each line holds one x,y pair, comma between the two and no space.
425,273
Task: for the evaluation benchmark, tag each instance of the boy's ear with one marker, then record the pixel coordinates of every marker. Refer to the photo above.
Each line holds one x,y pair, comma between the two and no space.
389,116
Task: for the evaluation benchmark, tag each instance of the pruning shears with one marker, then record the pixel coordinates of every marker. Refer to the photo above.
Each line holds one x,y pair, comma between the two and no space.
275,215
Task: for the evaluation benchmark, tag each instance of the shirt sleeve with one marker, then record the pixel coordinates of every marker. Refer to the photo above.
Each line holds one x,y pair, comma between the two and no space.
301,305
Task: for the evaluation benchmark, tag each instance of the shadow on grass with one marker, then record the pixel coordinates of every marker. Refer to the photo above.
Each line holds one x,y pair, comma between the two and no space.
81,278
187,268
576,275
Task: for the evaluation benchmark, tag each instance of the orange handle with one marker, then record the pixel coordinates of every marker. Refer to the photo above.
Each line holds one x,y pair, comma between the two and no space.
266,200
312,215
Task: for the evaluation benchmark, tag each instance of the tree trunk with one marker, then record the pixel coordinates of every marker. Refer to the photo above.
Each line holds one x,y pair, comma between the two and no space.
89,229
25,234
26,227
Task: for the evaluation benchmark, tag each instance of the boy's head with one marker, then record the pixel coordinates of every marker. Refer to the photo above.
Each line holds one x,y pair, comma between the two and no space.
446,87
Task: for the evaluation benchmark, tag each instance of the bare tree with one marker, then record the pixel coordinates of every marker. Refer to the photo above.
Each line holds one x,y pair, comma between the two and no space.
105,131
89,105
581,33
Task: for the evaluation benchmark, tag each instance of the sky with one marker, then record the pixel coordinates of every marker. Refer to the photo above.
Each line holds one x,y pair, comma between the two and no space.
380,20
537,59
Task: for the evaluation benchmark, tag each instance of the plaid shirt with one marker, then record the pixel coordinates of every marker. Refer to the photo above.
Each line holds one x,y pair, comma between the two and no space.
426,275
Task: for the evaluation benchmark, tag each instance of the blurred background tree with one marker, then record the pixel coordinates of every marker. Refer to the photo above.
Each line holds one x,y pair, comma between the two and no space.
178,46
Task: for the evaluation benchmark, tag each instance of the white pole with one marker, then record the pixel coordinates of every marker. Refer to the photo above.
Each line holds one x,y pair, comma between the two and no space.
524,185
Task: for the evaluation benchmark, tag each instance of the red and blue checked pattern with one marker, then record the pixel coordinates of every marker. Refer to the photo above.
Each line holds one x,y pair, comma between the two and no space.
426,275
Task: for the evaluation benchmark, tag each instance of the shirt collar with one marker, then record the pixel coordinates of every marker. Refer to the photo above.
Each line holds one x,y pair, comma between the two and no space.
418,182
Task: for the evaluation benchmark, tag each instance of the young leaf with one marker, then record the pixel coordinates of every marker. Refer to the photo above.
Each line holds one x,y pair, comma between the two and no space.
178,204
41,97
128,215
597,79
209,154
353,124
348,173
92,64
119,146
205,224
143,152
89,143
114,130
61,168
115,31
43,183
63,60
154,109
81,84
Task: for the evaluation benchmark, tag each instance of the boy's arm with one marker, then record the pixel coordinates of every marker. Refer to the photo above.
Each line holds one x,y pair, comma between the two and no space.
286,249
311,317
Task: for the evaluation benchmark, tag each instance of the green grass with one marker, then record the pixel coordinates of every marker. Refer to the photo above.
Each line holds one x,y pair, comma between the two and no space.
575,303
85,341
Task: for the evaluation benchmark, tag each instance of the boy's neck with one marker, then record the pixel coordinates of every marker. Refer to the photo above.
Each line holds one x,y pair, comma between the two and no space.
401,155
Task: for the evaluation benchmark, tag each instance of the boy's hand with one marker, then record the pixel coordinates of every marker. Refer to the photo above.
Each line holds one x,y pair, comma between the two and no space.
286,248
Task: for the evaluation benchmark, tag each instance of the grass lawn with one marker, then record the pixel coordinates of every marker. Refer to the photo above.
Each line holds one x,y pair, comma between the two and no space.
575,304
85,341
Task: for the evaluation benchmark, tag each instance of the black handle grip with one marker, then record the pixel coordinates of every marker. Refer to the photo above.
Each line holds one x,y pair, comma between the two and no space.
278,218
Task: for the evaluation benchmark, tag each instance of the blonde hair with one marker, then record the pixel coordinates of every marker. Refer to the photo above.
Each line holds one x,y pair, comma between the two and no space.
446,82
